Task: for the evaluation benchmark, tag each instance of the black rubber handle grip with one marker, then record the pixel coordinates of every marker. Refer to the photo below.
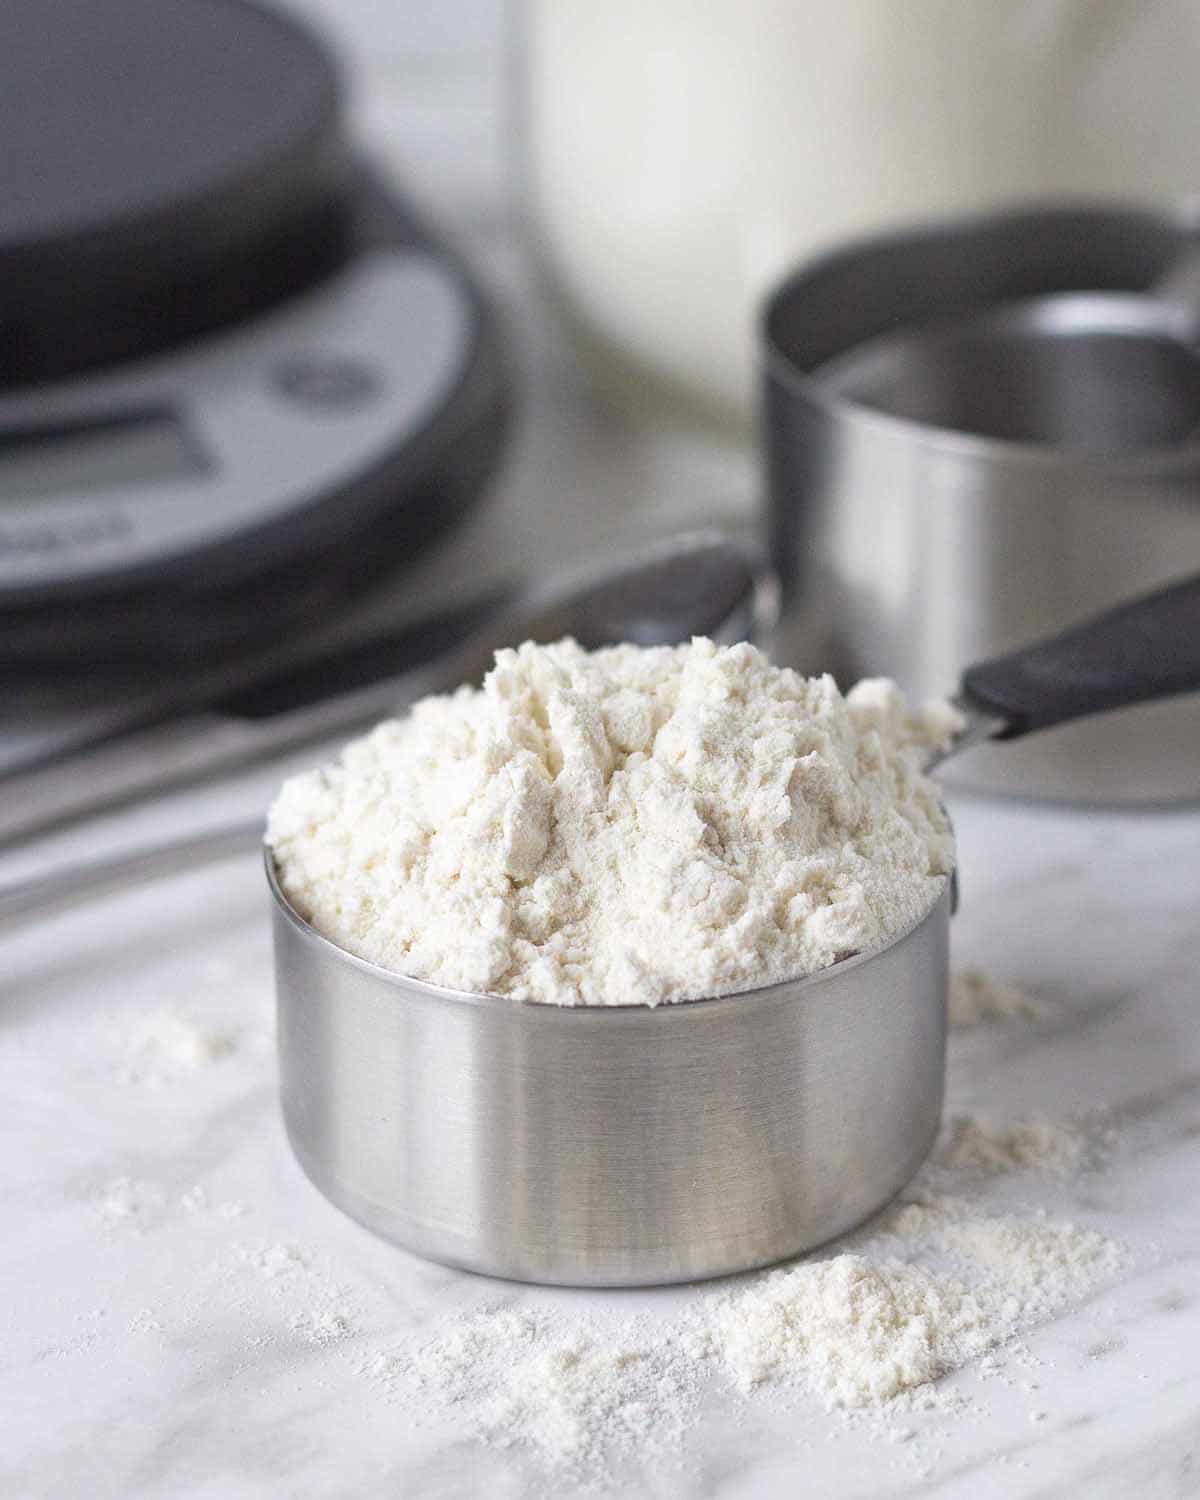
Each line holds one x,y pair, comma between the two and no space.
1149,648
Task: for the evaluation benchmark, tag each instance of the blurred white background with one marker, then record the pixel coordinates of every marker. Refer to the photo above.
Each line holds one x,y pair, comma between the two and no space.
428,89
431,91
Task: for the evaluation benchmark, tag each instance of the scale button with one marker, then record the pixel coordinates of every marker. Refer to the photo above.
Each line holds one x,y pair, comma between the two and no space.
327,382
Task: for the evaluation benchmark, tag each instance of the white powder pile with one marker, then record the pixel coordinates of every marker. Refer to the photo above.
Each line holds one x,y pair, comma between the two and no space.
1036,1265
1049,1262
974,1143
868,1329
629,825
976,997
855,1331
165,1045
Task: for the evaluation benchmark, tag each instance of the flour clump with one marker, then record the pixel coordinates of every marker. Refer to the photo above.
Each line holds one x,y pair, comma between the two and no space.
857,1331
631,825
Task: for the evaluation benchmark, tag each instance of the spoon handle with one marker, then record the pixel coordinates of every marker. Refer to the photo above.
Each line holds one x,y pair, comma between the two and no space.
77,883
700,583
239,714
1146,649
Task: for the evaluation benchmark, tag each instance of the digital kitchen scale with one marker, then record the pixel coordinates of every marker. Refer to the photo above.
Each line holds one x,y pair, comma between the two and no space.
238,381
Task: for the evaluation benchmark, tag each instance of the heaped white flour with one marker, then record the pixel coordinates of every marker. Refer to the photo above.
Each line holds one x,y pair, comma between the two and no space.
629,825
855,1330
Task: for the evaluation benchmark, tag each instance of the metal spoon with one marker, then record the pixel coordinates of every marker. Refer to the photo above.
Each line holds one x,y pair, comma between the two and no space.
699,584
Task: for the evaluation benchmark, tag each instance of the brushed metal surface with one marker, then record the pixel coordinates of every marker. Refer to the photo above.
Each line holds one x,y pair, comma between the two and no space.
924,549
617,1146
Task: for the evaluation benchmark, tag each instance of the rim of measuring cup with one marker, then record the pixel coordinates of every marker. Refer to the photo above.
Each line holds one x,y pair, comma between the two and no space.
405,983
779,363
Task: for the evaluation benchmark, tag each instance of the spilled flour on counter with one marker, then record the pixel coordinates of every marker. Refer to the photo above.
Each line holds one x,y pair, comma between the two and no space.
1037,1264
976,997
128,1201
933,1285
940,1281
165,1045
855,1331
868,1330
579,1394
975,1143
319,1309
628,825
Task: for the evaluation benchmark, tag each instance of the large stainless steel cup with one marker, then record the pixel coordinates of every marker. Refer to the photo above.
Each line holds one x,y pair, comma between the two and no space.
912,550
615,1146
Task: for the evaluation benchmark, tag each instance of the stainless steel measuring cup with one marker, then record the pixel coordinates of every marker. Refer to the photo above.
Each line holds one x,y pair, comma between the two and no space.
1035,457
630,1145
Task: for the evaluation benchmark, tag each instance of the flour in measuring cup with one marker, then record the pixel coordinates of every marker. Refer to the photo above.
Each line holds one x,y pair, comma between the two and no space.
628,825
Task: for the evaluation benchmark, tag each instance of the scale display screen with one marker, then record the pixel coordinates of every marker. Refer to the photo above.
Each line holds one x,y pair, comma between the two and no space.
143,448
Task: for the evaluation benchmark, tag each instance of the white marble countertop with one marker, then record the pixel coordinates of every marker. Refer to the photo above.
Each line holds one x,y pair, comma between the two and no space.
149,1347
149,1350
